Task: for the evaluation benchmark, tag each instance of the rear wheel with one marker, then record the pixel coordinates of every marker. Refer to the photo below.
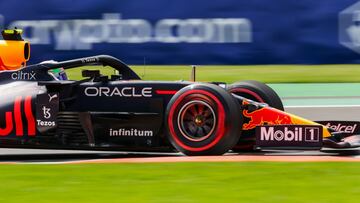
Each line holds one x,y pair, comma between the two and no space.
258,92
203,120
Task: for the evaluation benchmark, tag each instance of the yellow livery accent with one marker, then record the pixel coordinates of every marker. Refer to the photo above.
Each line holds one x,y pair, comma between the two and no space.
302,121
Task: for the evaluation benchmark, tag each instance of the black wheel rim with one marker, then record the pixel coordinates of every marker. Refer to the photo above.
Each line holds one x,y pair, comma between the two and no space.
196,120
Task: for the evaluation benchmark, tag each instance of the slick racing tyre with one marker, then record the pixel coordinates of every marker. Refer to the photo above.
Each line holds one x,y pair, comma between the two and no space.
258,92
203,119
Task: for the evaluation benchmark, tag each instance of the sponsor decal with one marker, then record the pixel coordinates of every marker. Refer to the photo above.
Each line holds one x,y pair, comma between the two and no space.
118,92
47,107
46,111
342,128
51,97
265,116
82,34
346,127
20,121
289,136
41,123
89,60
21,75
122,132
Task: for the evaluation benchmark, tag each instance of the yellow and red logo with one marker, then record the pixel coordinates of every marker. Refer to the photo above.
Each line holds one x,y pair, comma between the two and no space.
265,116
271,116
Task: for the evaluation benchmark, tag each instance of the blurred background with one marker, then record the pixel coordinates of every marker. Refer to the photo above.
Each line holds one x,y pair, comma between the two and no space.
190,32
307,51
284,43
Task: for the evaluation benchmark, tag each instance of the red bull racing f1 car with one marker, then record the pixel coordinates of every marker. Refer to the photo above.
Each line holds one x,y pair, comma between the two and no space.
123,112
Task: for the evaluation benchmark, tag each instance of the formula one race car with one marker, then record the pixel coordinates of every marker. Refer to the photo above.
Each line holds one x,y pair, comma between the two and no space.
122,112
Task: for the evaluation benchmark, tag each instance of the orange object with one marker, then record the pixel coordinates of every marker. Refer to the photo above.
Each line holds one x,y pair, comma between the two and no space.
14,52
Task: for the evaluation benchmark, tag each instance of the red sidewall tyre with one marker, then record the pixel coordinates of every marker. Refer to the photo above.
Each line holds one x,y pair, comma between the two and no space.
203,119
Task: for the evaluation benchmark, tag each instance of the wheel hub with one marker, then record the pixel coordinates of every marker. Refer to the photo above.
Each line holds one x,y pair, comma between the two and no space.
199,120
196,120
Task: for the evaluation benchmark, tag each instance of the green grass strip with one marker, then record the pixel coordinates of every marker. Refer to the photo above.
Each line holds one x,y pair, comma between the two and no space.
181,182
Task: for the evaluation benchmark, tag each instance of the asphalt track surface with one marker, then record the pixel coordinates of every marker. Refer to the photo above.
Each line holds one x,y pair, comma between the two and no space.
26,156
320,103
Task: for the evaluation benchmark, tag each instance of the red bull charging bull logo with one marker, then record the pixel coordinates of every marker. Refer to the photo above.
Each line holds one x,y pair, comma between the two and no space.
265,116
271,116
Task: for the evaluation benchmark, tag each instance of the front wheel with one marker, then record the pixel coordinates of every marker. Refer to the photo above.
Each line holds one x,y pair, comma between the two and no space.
203,119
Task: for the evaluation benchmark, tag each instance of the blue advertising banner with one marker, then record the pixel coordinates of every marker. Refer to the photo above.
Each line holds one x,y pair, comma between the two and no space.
190,32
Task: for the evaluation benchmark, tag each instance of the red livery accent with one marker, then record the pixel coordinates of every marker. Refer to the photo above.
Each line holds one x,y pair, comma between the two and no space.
166,91
16,116
18,119
29,116
8,125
